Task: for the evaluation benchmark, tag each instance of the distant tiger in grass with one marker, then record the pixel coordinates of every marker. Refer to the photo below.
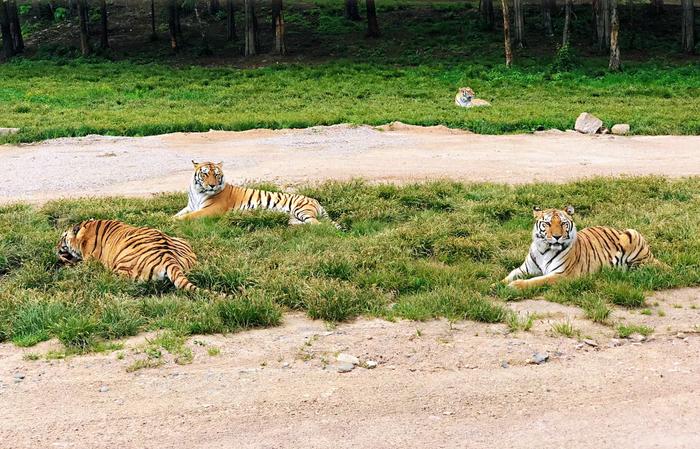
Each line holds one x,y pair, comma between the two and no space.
210,195
139,253
558,251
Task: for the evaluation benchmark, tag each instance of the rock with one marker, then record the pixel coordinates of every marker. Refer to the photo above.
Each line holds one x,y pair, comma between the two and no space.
347,358
286,365
344,367
504,364
620,129
680,335
19,376
370,364
580,345
615,343
104,389
591,343
8,131
637,338
540,357
588,123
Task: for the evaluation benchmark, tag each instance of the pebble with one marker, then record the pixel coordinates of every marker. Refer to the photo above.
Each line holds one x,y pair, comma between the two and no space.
615,343
347,358
344,367
637,338
539,358
680,335
104,389
19,376
591,343
504,364
371,364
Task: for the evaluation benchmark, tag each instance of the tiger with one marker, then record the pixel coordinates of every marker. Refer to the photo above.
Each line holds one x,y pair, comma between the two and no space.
466,98
210,195
558,251
140,253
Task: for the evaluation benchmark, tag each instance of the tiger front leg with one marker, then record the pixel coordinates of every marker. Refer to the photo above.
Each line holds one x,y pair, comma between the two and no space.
185,210
538,281
198,214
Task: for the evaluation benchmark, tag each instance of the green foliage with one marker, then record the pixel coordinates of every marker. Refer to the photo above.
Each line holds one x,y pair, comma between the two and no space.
624,330
565,59
415,251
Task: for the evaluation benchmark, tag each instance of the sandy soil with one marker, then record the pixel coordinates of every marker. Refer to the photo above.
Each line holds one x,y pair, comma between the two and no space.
96,165
437,384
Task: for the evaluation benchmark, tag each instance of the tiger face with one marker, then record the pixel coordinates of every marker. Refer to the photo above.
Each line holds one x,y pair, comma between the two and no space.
554,229
208,177
466,95
68,248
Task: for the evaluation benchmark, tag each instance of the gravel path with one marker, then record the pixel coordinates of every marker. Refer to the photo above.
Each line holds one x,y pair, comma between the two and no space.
138,166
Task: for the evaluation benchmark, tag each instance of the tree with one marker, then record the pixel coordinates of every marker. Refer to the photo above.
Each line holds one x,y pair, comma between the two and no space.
7,41
657,7
203,30
230,21
506,33
487,13
688,23
214,6
352,10
84,33
567,23
519,23
547,17
173,24
278,26
15,27
601,13
104,38
251,29
372,24
614,64
154,35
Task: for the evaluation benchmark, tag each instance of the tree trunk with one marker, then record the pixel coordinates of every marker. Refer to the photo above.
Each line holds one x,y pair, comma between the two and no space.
203,31
601,10
214,6
278,26
230,21
251,29
614,42
8,46
506,33
173,24
352,10
15,27
372,24
84,34
487,13
687,29
154,35
547,17
104,38
567,23
657,7
519,23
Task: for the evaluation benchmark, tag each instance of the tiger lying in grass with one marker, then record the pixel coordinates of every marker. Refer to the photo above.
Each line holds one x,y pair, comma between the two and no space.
139,253
558,251
209,195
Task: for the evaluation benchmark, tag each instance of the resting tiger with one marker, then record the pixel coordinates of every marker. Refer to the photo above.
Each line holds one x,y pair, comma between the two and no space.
139,253
466,98
209,195
558,251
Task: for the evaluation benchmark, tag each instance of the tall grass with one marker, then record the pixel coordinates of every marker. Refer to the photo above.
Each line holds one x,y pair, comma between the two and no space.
416,251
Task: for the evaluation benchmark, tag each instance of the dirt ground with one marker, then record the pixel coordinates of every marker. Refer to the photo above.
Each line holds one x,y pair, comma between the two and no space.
436,384
137,166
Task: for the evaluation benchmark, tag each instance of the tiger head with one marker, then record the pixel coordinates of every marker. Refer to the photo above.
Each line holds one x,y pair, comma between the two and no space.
465,95
69,246
208,177
554,229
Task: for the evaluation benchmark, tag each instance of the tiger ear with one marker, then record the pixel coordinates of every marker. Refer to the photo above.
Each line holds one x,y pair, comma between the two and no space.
220,164
569,210
76,229
536,211
196,164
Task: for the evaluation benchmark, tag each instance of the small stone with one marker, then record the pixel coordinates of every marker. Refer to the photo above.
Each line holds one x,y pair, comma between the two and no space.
580,345
8,131
371,364
104,389
347,358
615,343
638,338
588,123
540,357
680,335
504,364
620,129
286,365
591,343
19,376
344,367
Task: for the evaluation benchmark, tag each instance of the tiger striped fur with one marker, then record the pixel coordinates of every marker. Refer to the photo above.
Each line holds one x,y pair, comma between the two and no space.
143,254
210,195
558,251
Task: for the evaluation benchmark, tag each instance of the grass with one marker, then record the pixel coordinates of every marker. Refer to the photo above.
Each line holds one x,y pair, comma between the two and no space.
416,252
566,329
625,331
336,75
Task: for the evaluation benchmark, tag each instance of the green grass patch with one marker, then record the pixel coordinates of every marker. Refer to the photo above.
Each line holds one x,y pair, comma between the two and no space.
437,254
624,331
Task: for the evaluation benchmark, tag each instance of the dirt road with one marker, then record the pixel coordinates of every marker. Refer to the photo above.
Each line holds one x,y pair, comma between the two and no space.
437,385
398,153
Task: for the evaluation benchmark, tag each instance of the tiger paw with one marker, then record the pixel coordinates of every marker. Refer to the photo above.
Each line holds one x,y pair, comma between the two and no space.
518,284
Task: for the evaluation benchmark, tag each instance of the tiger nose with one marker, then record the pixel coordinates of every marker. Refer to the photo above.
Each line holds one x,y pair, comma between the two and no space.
556,237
